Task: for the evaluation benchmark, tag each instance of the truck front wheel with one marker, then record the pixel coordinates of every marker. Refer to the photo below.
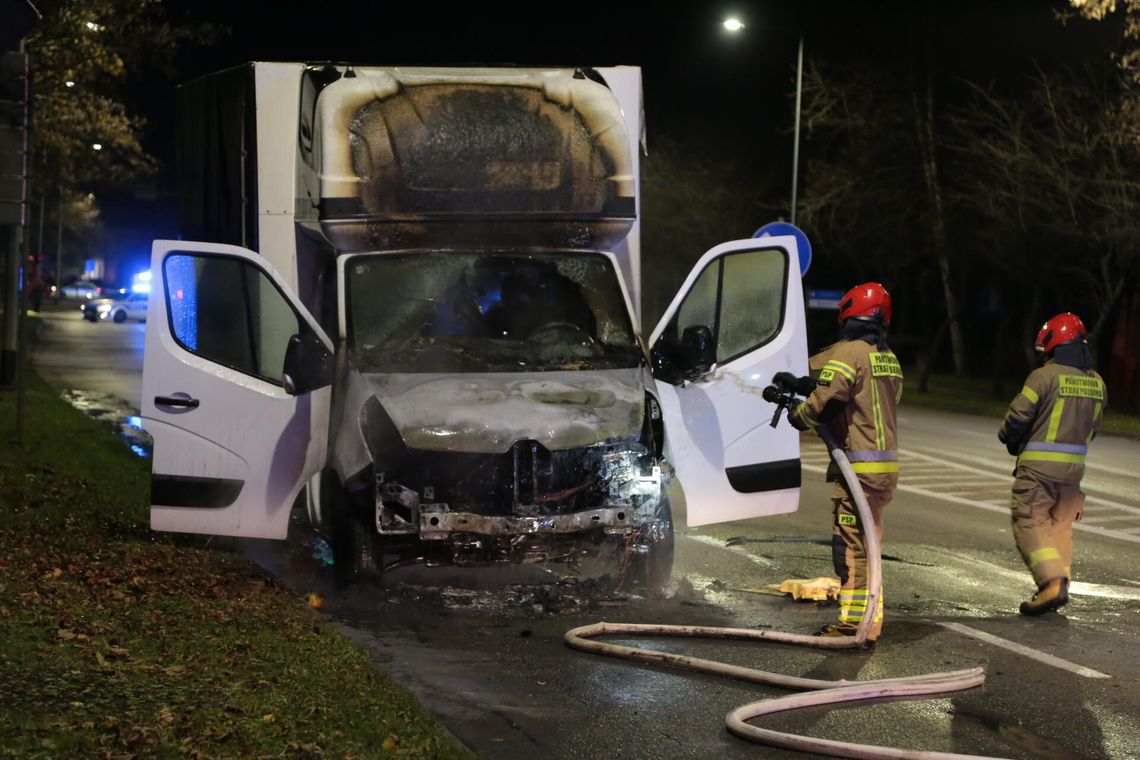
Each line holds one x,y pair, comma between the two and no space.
354,542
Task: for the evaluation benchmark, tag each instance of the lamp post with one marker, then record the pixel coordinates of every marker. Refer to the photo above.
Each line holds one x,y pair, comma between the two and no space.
796,130
734,26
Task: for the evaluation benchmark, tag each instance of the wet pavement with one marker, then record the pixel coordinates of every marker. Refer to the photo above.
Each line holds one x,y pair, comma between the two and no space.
488,657
116,414
483,648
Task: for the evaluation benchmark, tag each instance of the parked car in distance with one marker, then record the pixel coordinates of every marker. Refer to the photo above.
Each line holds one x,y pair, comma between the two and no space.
131,306
80,290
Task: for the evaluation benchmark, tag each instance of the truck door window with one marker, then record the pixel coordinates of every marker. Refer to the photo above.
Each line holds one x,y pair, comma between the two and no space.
699,306
740,298
752,301
230,312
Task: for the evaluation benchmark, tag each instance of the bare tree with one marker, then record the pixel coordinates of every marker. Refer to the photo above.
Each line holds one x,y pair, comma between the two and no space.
1055,169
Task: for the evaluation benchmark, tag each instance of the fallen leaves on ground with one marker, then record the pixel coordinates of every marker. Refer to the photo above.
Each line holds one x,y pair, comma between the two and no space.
119,642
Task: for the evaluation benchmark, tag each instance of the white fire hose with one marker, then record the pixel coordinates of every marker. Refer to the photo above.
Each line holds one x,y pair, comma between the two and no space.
825,692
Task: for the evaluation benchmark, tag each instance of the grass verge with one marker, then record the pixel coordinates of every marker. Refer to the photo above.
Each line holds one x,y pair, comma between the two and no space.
975,396
117,642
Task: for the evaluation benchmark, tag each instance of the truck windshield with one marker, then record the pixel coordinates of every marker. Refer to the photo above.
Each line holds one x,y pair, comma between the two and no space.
489,311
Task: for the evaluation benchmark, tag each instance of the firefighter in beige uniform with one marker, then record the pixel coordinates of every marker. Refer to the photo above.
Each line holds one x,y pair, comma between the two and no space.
1048,428
858,388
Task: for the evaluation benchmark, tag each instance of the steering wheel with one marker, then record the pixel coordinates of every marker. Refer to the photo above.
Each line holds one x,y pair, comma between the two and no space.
549,333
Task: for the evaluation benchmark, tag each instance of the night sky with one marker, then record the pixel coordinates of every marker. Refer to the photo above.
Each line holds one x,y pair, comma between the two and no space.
695,72
719,92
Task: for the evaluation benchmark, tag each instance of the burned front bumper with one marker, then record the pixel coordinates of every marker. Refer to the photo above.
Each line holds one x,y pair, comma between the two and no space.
439,524
527,505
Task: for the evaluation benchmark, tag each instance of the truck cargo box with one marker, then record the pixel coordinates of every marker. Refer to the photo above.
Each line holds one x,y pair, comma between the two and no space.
396,157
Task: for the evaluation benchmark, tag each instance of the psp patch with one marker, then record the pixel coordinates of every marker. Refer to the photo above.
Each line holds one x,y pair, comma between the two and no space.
846,519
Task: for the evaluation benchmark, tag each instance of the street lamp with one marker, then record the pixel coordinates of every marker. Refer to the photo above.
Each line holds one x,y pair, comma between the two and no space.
734,25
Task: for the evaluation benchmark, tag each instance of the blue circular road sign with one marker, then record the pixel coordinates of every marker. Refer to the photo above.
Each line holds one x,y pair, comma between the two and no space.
773,229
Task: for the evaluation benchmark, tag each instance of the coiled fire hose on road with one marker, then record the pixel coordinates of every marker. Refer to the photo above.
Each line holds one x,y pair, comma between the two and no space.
822,692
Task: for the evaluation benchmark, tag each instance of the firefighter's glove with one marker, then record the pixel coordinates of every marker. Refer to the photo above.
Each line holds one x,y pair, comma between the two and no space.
794,418
785,381
1011,445
788,382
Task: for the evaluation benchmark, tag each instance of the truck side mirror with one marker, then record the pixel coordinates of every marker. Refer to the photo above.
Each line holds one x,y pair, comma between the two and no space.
690,358
698,351
308,364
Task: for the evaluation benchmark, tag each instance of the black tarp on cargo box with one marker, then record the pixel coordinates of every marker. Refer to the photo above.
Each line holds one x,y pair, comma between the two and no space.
217,158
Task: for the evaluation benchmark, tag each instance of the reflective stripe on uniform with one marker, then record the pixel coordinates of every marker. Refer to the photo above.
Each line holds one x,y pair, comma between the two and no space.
1064,448
873,456
877,417
852,605
1030,394
1055,419
844,369
875,467
1096,416
1043,554
802,414
1051,456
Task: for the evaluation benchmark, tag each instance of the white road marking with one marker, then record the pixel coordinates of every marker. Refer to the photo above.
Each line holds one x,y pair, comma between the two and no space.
975,433
1022,576
739,550
999,505
1025,651
1110,592
1082,589
1110,470
1109,518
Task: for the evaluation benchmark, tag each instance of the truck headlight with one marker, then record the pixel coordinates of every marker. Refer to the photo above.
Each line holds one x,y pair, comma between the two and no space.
103,308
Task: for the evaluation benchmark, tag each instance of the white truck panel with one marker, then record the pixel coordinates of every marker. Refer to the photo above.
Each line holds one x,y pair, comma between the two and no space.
625,82
277,88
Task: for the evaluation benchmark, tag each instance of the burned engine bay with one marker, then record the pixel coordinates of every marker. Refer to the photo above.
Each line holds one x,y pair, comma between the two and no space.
595,485
527,505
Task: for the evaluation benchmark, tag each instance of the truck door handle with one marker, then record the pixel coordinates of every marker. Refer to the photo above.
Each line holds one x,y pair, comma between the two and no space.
190,403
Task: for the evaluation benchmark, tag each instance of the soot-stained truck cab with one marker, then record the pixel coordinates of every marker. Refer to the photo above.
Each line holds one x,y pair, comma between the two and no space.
414,319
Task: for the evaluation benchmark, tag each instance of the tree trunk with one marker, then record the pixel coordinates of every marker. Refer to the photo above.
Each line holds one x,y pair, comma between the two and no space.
924,128
998,363
926,358
1114,287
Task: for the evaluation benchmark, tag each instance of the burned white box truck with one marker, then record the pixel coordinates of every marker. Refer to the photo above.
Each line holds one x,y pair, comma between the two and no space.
410,311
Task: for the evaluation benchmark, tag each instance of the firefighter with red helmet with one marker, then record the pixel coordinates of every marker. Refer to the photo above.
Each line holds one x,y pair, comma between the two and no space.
1048,428
859,385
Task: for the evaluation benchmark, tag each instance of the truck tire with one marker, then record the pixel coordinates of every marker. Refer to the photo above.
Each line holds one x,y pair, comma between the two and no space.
353,543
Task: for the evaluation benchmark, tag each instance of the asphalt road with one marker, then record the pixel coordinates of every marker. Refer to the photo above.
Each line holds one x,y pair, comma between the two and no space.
94,357
485,652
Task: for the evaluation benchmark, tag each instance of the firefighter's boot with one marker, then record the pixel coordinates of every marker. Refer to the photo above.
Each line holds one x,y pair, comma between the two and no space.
1050,595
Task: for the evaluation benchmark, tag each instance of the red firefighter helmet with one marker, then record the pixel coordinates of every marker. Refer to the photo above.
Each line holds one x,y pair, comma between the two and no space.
867,301
1061,329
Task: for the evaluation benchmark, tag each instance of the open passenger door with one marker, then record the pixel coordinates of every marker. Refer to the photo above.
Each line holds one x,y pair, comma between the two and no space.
737,321
236,377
